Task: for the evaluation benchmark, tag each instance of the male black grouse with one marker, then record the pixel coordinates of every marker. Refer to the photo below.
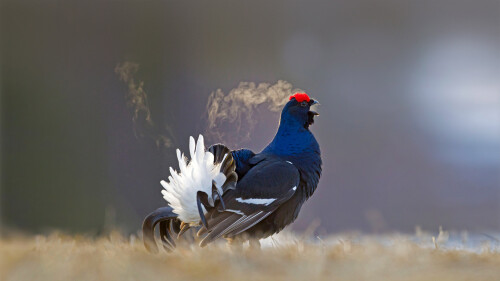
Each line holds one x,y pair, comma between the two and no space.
240,195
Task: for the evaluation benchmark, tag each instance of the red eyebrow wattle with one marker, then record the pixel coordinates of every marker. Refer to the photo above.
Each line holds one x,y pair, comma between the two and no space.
300,97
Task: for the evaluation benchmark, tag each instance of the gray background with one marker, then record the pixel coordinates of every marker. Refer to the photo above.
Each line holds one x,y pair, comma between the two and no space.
410,115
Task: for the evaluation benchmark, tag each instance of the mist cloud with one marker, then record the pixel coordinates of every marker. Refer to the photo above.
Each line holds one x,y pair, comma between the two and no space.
237,109
137,102
231,117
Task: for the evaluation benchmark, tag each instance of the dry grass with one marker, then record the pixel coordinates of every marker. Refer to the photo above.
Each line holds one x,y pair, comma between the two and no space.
396,257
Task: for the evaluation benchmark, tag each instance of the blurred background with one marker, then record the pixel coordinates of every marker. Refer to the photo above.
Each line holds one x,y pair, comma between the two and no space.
409,91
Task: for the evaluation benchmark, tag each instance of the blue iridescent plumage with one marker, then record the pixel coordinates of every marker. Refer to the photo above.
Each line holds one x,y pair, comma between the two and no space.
293,146
263,192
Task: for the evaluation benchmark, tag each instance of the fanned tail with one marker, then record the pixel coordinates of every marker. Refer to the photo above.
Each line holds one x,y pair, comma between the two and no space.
223,158
196,188
222,154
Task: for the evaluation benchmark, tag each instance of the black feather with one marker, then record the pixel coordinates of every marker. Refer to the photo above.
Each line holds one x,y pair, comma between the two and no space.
272,180
202,199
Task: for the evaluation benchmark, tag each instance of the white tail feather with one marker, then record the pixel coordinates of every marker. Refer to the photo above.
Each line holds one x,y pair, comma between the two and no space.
197,175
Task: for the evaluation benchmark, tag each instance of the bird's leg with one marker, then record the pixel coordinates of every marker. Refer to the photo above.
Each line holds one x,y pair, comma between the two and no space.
254,244
235,244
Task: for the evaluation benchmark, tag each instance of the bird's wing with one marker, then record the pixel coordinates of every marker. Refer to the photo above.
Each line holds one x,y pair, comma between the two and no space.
264,188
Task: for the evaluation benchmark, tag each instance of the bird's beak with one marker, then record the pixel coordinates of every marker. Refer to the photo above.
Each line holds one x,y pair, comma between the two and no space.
314,102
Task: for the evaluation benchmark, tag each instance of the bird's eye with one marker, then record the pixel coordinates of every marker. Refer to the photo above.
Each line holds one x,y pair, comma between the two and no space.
304,103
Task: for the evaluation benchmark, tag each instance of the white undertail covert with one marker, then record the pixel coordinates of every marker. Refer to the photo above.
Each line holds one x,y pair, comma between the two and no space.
194,175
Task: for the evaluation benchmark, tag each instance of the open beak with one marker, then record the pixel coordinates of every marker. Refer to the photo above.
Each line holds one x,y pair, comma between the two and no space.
314,102
311,113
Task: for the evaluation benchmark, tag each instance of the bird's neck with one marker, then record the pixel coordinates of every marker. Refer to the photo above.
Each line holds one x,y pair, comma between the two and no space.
291,139
295,143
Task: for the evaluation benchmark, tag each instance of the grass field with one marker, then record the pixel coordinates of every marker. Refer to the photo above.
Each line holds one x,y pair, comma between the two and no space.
289,257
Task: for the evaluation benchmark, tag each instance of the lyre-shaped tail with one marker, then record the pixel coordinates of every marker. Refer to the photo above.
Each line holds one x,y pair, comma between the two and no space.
198,187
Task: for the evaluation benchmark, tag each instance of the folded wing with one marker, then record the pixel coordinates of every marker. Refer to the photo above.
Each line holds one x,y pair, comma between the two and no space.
265,186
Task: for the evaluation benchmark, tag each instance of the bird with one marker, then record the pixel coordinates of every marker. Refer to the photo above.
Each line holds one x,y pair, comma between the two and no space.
240,195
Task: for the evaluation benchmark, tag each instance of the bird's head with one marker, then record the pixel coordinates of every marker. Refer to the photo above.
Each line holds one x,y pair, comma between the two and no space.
298,110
